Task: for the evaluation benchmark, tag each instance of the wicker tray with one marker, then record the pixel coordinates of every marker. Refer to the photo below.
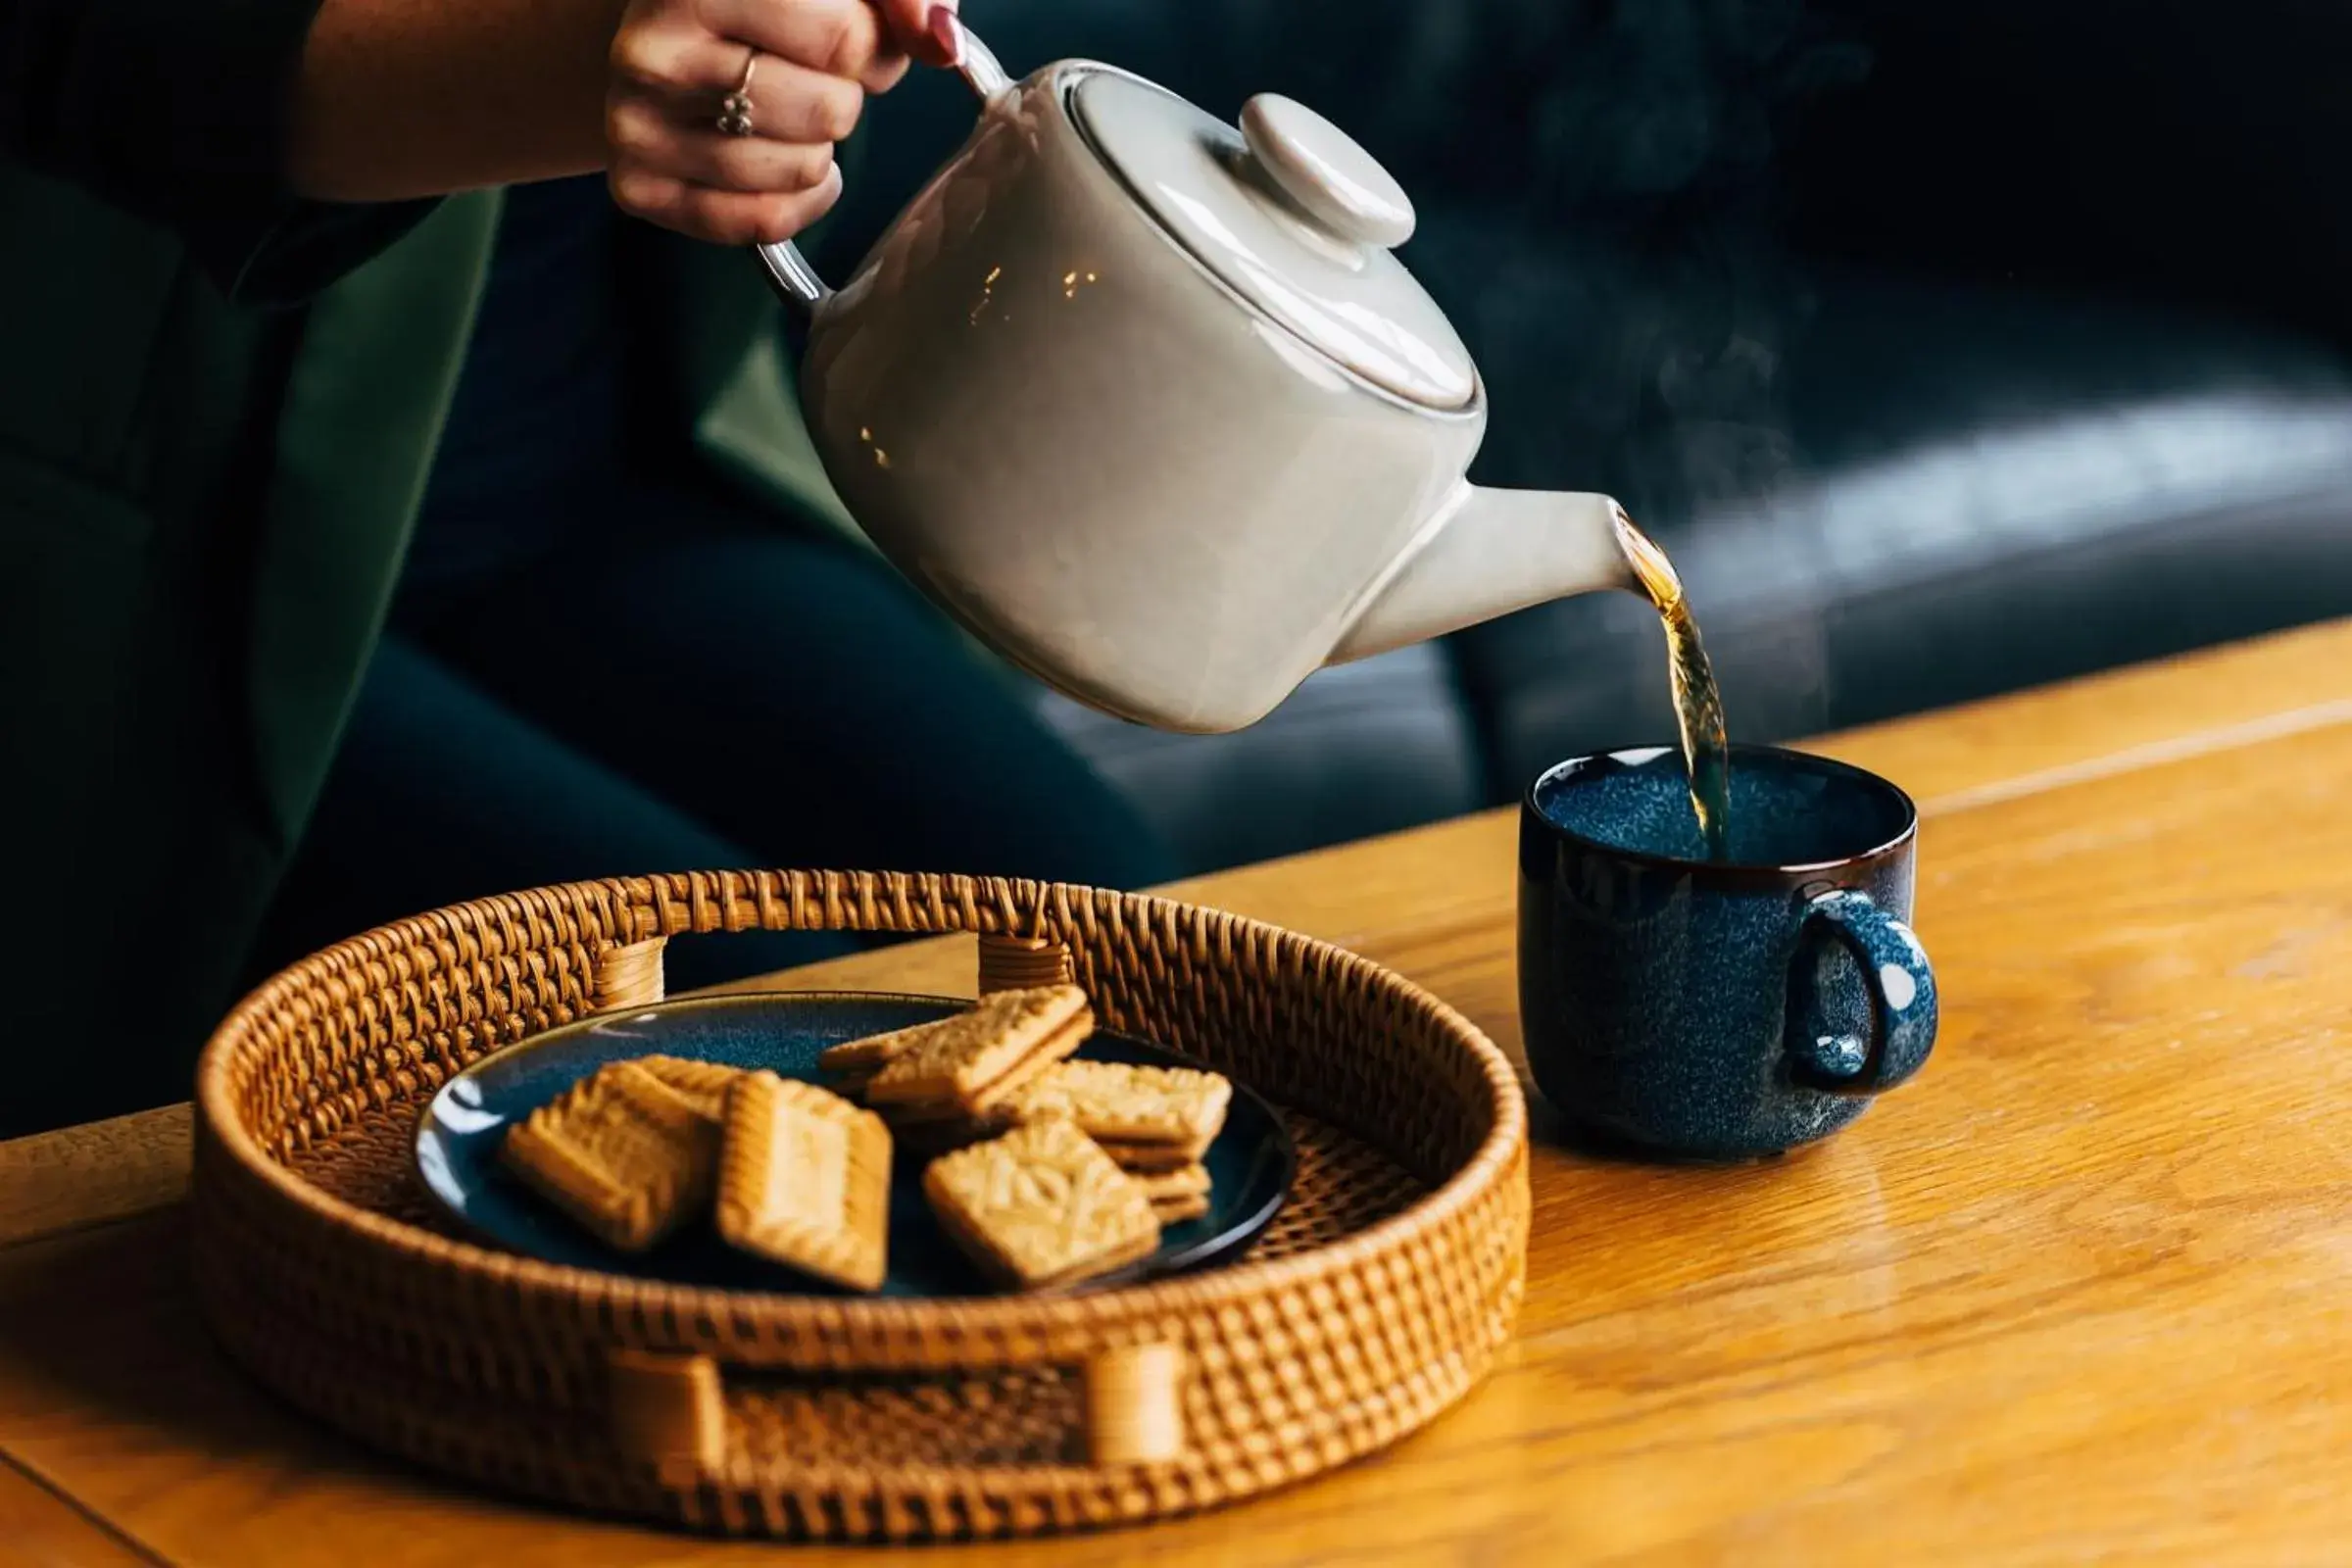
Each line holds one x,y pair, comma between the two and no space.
1378,1297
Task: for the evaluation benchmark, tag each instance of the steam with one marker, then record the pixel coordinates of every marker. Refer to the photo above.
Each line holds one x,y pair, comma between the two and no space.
1603,223
1635,309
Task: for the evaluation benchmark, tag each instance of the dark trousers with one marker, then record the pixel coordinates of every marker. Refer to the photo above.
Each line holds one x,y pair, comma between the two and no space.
688,686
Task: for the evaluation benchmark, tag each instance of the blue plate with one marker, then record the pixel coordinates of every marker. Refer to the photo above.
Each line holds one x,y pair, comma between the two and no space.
1249,1165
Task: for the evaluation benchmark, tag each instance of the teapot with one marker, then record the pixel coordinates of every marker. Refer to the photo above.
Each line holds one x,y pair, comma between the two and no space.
1144,401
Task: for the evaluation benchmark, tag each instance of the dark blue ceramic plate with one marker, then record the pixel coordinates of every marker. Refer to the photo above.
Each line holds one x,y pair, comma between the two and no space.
1249,1165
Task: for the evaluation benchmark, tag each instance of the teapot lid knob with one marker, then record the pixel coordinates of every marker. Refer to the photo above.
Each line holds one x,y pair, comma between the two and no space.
1289,216
1321,169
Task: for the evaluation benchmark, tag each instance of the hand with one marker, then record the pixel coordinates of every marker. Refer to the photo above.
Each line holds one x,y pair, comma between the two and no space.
672,63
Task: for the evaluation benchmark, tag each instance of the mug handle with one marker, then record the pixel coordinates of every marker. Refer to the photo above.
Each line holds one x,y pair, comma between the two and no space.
1895,976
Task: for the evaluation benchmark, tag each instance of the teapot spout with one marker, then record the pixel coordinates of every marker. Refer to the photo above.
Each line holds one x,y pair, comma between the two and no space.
1487,553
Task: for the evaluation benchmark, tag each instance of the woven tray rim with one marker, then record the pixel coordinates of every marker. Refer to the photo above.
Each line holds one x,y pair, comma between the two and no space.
879,1319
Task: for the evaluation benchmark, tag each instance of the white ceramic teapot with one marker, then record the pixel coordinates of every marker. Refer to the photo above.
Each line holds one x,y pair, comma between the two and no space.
1146,403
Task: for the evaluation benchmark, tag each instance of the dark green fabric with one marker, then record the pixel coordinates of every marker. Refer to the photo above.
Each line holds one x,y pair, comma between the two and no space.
361,412
127,473
202,512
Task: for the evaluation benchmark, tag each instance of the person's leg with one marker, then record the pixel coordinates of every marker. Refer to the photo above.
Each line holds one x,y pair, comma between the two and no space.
440,793
799,697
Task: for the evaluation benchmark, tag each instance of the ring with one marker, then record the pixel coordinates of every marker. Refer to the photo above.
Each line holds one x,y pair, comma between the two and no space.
735,108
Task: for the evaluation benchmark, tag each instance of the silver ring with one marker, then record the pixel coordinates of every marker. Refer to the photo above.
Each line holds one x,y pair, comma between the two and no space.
735,108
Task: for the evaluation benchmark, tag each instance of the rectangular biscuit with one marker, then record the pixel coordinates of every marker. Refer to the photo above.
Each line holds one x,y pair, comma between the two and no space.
975,1060
804,1178
1041,1206
1176,1195
621,1152
854,1062
935,1130
1119,1103
1176,1210
1186,1180
1146,1158
704,1083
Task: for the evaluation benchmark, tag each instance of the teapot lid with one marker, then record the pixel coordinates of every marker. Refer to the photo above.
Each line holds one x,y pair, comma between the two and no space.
1291,214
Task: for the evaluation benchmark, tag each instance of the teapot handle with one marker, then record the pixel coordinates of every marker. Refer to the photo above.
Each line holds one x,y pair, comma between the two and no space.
788,271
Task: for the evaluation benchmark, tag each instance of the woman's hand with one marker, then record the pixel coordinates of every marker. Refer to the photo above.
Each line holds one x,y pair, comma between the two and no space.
814,61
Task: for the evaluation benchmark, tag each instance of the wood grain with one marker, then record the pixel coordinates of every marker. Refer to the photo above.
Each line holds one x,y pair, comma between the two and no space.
2113,722
1457,875
2082,1291
38,1528
90,1174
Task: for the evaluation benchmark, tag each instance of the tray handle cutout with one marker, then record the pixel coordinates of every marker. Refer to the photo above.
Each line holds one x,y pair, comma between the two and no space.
669,1411
1017,963
630,975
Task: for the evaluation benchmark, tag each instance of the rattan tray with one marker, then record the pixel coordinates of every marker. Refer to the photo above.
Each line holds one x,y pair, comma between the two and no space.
1378,1297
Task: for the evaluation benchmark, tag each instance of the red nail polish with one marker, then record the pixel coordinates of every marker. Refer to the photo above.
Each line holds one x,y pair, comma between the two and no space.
947,35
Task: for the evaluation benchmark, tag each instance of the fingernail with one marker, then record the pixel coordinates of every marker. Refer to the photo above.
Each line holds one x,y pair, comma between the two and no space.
947,35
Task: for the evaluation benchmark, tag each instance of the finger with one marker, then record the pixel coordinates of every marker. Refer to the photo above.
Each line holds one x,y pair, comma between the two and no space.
839,37
789,102
924,29
723,216
887,72
642,137
682,56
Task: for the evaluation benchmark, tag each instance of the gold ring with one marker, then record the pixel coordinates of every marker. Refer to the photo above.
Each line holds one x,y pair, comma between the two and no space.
735,108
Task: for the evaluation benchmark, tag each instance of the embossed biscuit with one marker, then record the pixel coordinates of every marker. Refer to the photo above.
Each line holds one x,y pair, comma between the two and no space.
976,1059
852,1064
1119,1103
623,1153
804,1178
704,1083
1041,1206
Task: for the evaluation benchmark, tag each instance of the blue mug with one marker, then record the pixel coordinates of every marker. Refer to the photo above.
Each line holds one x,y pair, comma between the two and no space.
1718,1010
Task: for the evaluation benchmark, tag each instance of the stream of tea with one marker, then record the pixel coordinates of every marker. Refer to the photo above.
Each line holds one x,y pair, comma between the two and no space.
1698,703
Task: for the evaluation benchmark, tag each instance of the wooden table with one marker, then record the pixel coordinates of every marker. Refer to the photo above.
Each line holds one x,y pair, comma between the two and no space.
2083,1291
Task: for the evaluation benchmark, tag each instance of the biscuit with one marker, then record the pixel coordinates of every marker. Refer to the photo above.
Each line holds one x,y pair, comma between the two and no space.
1146,1159
1176,1195
1176,1210
853,1062
804,1178
1178,1109
1041,1206
935,1132
704,1083
975,1060
1187,1180
623,1153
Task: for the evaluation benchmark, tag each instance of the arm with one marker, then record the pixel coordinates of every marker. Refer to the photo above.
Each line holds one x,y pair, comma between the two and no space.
231,122
396,99
489,92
